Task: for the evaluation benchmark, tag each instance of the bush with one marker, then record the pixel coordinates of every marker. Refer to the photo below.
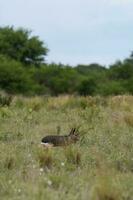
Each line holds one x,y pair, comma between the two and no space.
87,87
14,78
111,88
5,99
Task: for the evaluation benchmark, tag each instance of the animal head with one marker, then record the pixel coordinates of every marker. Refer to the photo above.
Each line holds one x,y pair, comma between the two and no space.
74,135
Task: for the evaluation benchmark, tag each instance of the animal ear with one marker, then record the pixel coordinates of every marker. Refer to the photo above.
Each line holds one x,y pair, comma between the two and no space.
72,131
76,131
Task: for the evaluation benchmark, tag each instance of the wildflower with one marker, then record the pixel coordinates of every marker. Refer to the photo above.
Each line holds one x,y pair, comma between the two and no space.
41,169
34,166
49,182
19,190
62,163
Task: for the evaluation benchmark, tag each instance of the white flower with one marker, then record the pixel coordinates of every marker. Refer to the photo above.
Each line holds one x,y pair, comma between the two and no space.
34,166
19,190
62,163
41,169
49,182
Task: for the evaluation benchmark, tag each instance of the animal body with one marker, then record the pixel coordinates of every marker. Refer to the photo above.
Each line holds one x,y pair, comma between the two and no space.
64,140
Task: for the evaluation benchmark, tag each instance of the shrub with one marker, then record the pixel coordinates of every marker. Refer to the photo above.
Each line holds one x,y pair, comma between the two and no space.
5,100
87,87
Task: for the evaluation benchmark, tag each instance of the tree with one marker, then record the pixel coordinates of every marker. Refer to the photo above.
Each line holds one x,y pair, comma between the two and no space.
14,78
90,69
112,87
121,71
59,79
18,44
87,87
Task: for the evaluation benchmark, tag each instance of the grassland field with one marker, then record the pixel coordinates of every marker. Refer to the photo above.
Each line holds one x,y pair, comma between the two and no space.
98,167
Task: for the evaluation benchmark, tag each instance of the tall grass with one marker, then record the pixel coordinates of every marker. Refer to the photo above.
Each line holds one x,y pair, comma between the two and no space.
98,167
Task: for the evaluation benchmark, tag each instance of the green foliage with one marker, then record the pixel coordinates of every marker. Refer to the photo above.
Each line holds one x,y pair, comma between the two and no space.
17,44
89,69
5,99
21,53
14,78
128,85
112,88
87,87
59,80
121,71
55,79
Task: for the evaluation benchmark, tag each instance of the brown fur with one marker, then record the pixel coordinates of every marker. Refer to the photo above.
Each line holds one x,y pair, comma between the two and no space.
56,140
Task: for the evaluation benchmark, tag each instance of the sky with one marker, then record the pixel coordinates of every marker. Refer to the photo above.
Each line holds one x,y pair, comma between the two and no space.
75,31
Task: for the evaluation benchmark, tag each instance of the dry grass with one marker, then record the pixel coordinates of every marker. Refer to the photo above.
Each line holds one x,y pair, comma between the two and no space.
129,119
98,167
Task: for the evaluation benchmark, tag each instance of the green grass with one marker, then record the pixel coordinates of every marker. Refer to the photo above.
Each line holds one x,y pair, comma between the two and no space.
98,167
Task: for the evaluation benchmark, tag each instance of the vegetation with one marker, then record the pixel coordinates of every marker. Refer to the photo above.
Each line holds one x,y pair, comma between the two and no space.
20,46
98,167
23,71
